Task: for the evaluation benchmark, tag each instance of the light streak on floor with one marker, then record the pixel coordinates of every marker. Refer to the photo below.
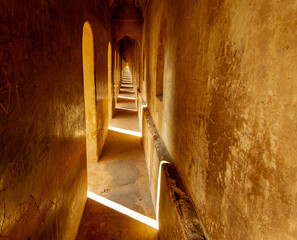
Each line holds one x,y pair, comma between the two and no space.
125,131
135,215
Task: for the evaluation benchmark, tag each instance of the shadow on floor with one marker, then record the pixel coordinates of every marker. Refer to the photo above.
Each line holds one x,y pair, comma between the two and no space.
110,224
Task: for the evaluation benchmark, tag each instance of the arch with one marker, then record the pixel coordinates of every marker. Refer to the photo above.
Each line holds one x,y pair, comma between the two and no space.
89,92
128,36
110,95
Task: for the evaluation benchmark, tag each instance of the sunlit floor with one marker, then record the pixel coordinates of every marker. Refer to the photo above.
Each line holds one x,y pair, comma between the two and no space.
119,204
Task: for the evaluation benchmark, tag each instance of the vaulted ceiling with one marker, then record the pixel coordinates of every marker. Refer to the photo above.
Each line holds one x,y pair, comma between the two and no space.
127,18
113,4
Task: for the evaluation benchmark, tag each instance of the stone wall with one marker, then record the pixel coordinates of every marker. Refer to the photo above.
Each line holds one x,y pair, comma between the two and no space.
228,114
43,179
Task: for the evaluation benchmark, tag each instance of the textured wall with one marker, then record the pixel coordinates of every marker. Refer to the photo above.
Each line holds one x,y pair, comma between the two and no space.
42,125
229,110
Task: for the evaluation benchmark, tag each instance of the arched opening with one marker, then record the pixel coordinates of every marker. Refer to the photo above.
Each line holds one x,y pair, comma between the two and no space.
89,92
110,95
127,95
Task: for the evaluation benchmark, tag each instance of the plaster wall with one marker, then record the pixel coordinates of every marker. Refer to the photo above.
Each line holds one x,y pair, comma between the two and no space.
43,179
229,110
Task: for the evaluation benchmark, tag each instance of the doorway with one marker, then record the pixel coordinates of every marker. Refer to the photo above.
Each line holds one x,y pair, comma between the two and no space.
89,92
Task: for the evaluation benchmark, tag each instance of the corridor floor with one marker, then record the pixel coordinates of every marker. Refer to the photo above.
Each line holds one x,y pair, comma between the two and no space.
119,179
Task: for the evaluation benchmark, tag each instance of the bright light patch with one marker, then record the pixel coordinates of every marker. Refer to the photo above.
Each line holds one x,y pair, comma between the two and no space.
128,109
121,130
159,189
135,215
79,133
124,97
141,113
126,90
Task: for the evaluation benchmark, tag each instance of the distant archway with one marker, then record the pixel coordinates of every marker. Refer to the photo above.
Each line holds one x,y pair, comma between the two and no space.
89,92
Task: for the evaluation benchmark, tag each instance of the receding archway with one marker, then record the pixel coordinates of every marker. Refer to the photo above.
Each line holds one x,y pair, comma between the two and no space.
89,92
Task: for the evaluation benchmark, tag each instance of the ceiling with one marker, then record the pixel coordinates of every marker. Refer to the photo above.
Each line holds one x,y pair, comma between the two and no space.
113,4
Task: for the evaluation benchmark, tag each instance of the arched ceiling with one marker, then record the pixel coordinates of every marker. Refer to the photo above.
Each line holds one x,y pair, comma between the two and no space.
127,18
113,4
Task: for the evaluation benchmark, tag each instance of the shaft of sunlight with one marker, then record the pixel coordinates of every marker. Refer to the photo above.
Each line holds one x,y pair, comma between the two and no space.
135,215
125,131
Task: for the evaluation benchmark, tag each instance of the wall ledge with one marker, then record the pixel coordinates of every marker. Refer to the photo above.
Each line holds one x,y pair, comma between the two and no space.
187,220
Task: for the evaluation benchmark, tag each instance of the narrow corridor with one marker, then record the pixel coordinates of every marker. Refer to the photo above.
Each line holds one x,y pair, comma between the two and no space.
148,119
127,97
120,179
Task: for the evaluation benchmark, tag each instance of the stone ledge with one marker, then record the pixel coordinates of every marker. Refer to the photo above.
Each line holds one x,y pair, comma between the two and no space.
183,222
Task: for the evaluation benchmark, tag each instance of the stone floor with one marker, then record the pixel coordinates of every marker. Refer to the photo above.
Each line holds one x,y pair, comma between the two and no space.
120,178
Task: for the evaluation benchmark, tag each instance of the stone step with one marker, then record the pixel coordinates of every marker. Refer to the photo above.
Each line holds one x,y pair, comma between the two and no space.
127,90
127,95
127,98
126,86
